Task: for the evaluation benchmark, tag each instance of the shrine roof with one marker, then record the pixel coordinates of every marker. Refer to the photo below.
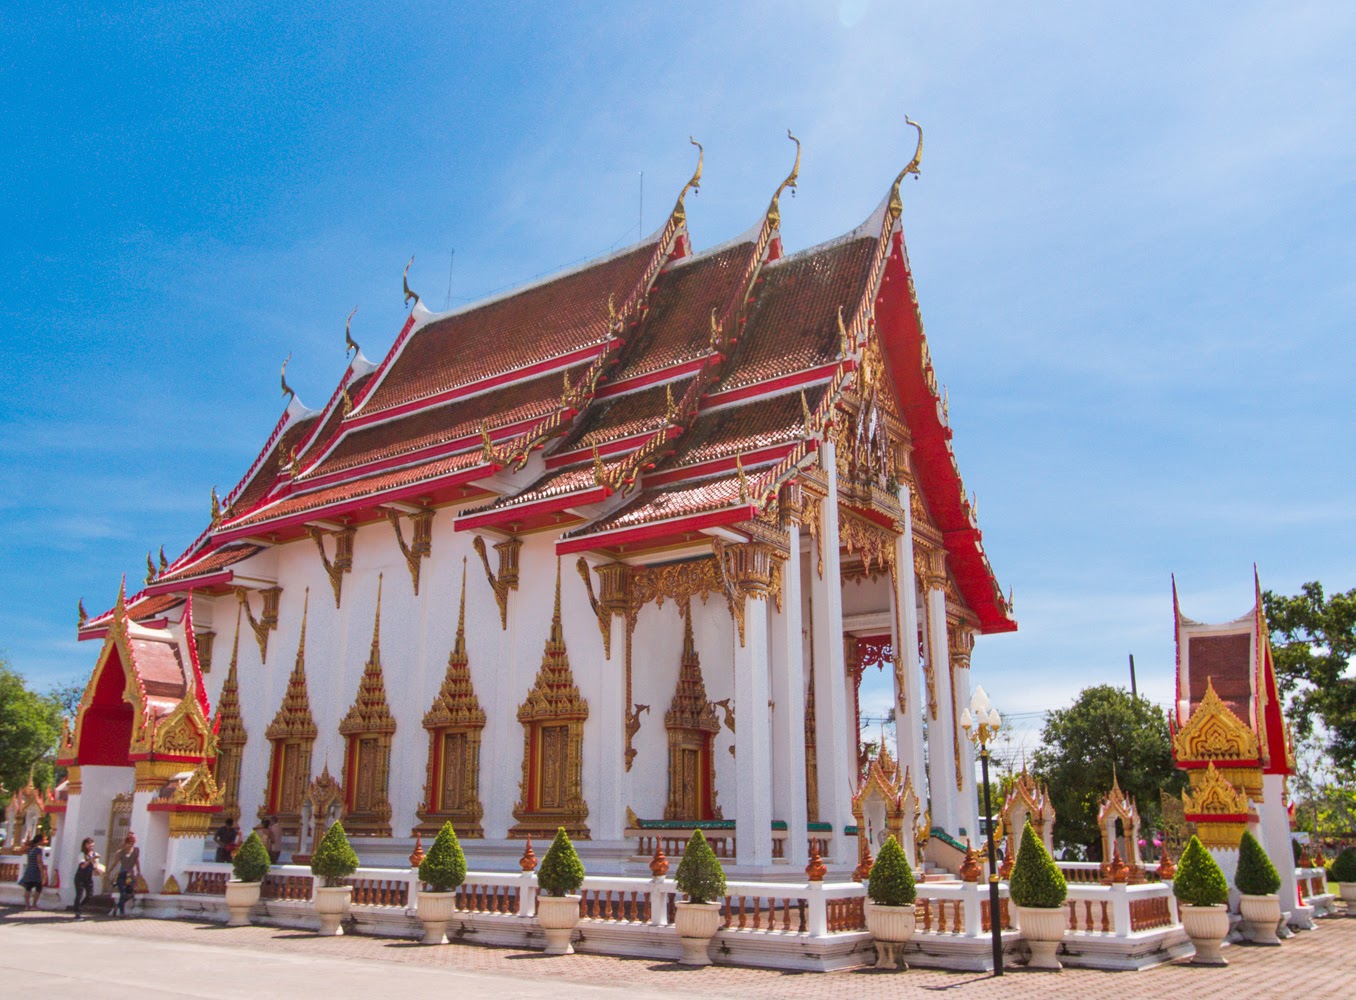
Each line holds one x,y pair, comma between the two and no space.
437,425
159,667
792,322
677,324
546,320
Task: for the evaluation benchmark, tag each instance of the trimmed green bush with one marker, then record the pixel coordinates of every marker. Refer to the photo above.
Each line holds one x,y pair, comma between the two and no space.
1199,880
1256,875
1344,866
250,863
561,871
444,867
1036,879
891,882
700,874
334,860
1296,851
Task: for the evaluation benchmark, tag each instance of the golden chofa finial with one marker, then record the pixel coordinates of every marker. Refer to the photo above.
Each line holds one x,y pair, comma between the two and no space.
774,210
694,183
566,389
164,563
82,614
216,508
349,343
286,389
150,569
405,280
716,330
346,401
845,341
896,203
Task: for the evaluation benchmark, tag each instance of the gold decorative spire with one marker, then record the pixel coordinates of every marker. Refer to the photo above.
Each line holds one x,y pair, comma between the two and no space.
349,343
150,568
774,210
216,508
286,389
896,203
164,563
294,719
456,703
694,183
370,712
690,708
347,401
229,724
83,615
405,280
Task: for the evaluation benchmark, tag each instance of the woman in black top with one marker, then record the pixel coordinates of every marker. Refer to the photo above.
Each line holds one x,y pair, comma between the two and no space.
84,874
35,873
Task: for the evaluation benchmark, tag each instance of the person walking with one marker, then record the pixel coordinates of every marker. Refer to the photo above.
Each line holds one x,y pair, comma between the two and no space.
128,863
225,838
35,872
84,874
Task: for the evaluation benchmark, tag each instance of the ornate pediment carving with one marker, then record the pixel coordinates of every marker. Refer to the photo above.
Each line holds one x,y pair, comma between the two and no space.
1213,732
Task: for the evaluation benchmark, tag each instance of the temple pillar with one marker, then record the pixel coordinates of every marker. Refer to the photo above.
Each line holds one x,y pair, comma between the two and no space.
749,568
942,725
834,763
962,641
1275,838
910,704
788,694
608,810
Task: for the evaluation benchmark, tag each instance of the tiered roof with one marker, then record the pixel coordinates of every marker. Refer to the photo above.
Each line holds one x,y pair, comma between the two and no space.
668,392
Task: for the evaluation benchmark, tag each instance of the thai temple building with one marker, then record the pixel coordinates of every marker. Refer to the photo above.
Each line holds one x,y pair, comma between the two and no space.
1230,736
608,552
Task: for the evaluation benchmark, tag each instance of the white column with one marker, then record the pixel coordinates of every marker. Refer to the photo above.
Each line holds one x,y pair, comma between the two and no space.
788,713
941,749
967,806
753,763
832,723
1275,830
607,815
910,701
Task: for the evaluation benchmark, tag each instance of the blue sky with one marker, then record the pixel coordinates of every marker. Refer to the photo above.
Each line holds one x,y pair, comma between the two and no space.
1132,240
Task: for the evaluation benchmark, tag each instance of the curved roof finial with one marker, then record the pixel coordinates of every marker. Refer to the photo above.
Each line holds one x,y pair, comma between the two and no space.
405,279
694,183
774,210
349,343
286,389
896,204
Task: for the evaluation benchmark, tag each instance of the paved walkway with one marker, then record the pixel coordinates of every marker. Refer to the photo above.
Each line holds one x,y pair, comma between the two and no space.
44,954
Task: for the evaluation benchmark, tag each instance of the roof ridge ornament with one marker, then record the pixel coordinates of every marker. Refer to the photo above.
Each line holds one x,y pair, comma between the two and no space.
405,280
896,203
349,343
774,209
287,390
694,182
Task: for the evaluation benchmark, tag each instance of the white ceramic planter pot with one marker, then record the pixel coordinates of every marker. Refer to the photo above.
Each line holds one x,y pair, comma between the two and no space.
1261,917
435,910
891,926
1207,927
696,924
558,916
1042,929
331,906
240,897
1347,890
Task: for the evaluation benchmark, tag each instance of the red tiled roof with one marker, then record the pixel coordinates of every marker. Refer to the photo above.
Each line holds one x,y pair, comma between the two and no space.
678,324
736,430
438,425
793,321
139,609
336,416
665,502
159,667
266,475
541,322
616,417
218,560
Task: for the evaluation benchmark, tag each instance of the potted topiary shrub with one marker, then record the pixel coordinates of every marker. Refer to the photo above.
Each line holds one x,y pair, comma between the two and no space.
1203,892
1038,889
1258,883
333,861
561,873
442,871
249,865
697,919
891,893
1343,872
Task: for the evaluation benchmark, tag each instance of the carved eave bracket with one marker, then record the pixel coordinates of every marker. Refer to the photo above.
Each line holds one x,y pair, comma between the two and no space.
507,577
421,543
268,617
746,572
343,555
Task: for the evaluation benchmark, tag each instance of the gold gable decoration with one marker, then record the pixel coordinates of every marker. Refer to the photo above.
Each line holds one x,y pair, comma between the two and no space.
454,724
367,730
553,717
194,805
884,779
1217,807
692,725
1214,733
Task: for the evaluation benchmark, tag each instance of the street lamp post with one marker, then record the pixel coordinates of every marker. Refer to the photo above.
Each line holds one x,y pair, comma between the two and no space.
981,723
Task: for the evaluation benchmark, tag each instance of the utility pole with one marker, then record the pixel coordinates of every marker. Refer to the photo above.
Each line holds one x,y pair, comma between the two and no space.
1134,689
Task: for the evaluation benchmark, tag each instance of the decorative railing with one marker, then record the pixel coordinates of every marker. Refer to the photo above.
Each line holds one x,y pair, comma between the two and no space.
1092,873
9,871
1312,882
1120,910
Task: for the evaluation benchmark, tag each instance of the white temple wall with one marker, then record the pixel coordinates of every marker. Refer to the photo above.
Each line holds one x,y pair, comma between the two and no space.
656,649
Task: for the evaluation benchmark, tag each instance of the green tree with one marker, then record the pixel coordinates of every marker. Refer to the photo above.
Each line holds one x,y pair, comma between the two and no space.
1313,638
30,725
1106,728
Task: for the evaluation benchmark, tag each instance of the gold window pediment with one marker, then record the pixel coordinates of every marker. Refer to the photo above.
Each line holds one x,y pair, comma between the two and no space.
1214,733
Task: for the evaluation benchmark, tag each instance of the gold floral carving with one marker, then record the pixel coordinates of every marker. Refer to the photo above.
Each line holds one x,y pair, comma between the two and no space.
343,556
691,723
367,729
811,750
507,577
1213,732
291,736
421,543
551,790
600,611
811,510
875,544
204,641
231,736
194,803
960,641
746,573
1219,810
268,618
680,582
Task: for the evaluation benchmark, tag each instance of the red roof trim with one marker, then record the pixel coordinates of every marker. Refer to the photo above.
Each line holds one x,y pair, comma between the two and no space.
703,470
621,445
656,529
551,505
190,583
670,374
775,386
